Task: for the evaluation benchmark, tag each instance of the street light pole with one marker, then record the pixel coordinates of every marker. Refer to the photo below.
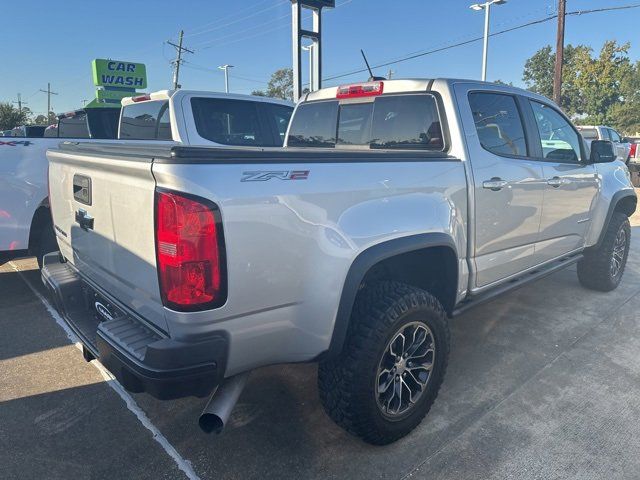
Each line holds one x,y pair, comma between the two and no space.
487,14
310,49
226,68
485,48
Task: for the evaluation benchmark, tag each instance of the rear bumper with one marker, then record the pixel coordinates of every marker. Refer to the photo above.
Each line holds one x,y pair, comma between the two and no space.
142,358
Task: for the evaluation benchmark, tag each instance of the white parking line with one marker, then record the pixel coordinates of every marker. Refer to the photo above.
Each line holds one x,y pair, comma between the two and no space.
131,404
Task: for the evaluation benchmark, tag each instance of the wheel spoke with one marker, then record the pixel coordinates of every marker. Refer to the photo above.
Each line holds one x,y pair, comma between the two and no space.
384,385
397,345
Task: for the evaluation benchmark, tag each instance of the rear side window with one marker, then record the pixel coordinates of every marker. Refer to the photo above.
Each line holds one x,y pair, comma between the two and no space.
314,125
388,122
142,121
229,122
498,123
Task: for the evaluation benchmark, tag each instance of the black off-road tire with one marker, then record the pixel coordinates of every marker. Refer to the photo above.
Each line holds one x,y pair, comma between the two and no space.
595,269
347,384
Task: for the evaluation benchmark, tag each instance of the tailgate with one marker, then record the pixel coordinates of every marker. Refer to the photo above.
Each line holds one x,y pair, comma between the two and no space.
103,213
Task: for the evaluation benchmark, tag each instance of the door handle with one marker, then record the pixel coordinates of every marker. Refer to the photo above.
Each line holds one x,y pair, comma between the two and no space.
495,184
556,182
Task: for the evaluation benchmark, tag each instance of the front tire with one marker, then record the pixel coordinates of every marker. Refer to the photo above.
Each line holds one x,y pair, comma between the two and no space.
391,367
602,268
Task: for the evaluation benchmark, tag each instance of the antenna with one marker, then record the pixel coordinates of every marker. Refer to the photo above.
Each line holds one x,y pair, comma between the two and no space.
372,77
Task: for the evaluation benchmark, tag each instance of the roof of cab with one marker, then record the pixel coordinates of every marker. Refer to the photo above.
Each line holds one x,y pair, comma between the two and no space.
421,85
177,94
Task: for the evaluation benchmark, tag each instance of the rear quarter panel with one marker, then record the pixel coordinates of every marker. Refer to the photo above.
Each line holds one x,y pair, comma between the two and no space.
290,243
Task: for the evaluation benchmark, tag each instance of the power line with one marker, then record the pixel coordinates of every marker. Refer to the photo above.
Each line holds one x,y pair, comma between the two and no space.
476,39
255,13
207,45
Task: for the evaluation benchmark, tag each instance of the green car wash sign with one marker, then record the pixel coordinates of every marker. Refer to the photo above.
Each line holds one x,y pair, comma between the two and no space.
116,73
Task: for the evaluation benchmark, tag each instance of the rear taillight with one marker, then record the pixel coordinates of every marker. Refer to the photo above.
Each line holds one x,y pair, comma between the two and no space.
369,89
190,252
634,149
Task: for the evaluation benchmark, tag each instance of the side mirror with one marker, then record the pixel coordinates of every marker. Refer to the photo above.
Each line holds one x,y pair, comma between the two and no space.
602,152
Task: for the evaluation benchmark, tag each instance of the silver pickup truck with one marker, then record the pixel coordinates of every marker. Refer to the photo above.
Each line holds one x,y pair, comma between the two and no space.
394,206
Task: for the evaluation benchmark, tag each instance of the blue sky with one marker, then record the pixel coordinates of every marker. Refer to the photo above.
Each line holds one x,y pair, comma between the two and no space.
46,41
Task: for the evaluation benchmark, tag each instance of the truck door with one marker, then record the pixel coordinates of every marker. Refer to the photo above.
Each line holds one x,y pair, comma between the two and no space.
507,184
571,183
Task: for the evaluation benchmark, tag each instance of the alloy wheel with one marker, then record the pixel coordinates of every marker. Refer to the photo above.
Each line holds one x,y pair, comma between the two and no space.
405,369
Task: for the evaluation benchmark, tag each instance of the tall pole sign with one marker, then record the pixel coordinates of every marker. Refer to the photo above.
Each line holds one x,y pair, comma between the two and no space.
298,33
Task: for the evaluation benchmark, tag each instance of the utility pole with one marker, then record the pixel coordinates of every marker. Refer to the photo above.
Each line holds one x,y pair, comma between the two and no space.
20,103
176,63
390,74
226,68
557,73
49,93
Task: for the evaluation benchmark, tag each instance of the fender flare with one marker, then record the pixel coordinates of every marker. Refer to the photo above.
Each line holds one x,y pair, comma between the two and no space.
363,263
615,201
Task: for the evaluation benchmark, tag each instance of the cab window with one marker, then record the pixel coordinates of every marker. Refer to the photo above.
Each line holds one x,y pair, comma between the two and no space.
145,121
407,122
559,141
498,123
615,137
229,122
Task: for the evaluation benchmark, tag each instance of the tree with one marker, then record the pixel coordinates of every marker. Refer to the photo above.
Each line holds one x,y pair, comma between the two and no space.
11,117
600,81
280,85
599,90
539,69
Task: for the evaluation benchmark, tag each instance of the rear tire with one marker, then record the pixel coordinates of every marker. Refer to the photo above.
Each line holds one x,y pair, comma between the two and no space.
602,268
386,317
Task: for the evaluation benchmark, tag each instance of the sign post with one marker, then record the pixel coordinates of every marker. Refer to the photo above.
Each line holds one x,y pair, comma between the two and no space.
299,33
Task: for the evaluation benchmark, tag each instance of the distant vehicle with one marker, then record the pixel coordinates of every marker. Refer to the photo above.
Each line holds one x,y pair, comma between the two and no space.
32,131
209,118
5,133
601,132
394,205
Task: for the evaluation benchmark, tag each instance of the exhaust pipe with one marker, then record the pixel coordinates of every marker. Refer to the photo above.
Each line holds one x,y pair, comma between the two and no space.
216,414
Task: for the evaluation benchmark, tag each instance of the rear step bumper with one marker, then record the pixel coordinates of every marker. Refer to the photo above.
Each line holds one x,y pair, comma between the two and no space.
141,358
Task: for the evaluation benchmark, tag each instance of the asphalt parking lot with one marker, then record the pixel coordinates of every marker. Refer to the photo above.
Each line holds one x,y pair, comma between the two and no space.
542,383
